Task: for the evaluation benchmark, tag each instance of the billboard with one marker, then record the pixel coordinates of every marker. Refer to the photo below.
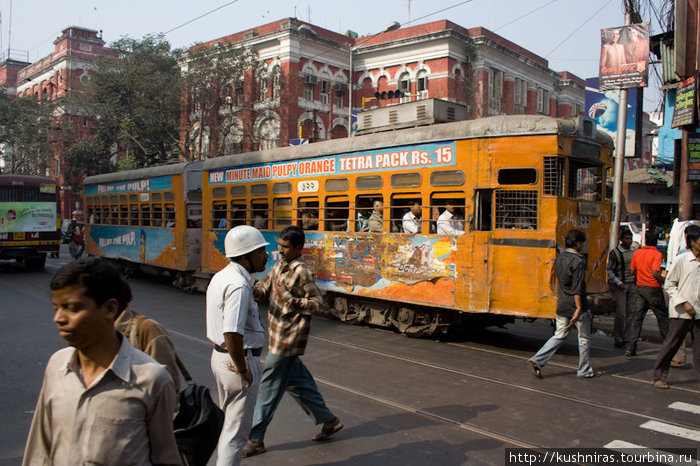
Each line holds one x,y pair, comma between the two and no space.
624,56
17,217
602,106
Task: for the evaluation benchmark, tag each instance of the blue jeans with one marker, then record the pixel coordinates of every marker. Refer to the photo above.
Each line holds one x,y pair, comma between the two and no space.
583,326
286,374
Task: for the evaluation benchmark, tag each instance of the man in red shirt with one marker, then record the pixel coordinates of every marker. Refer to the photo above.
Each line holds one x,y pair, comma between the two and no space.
646,262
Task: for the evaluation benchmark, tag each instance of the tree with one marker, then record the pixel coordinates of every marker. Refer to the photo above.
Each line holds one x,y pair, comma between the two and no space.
136,99
25,134
220,82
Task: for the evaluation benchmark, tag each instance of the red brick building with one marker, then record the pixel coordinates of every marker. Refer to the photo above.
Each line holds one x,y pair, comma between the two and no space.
474,67
62,75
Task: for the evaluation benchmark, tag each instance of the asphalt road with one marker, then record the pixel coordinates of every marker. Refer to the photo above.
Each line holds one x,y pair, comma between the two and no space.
403,401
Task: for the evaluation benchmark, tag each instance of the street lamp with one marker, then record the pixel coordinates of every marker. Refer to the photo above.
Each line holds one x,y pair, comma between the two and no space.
392,26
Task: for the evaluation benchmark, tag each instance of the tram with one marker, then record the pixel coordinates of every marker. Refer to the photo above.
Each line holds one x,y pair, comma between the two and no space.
29,222
514,185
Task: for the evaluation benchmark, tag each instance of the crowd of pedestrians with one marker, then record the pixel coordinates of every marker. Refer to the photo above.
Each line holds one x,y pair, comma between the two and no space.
636,280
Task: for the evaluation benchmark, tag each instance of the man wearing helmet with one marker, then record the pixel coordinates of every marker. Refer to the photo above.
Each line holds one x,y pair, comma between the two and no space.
233,325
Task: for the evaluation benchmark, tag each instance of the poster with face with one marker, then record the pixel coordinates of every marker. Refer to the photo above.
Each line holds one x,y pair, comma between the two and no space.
624,57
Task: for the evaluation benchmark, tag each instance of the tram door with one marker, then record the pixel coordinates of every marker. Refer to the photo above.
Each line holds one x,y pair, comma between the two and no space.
194,236
479,267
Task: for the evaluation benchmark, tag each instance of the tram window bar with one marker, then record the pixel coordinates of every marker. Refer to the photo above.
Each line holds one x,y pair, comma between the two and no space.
307,213
157,218
134,215
438,203
336,213
219,214
170,215
400,205
283,212
553,176
585,181
516,210
123,215
447,178
364,208
237,214
259,215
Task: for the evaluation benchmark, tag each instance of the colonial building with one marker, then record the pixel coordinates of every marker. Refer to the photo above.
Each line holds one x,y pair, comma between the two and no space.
473,67
62,75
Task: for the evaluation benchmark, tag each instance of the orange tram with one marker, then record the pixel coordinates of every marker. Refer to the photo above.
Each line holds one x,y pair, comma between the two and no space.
514,185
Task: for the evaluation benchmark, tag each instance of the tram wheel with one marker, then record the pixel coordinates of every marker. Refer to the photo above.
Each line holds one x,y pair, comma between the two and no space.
405,317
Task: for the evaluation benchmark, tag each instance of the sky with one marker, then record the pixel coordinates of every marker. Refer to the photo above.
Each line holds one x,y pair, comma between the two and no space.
565,32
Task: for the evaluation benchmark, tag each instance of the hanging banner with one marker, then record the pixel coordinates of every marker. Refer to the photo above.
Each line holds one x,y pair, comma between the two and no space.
624,57
693,159
684,108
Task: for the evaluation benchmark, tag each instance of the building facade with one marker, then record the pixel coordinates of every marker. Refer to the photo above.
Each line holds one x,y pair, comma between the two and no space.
63,75
473,67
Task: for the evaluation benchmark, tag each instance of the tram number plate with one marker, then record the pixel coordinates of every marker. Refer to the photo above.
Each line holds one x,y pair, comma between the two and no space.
309,186
18,236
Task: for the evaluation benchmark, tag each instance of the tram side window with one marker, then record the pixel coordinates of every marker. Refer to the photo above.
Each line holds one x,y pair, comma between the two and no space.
516,209
307,213
553,183
402,205
585,181
483,201
123,214
114,216
219,215
157,217
237,213
259,214
282,207
369,211
146,215
447,213
133,215
170,215
336,214
96,217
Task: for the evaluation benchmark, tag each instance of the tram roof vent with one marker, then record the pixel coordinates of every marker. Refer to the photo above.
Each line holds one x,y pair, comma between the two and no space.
410,114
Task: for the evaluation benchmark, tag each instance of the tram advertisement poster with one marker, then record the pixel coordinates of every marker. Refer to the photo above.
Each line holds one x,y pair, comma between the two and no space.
694,159
17,217
624,56
432,155
684,108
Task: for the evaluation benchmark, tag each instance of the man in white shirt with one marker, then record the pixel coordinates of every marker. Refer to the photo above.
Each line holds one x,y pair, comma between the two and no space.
446,224
411,220
683,287
233,325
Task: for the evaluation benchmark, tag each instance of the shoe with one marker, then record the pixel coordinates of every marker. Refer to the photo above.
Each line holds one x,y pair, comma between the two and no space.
535,369
590,375
629,354
660,384
253,448
329,428
677,364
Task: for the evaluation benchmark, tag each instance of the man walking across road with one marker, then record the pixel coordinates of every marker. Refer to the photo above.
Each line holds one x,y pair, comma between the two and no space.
683,288
572,307
621,281
102,401
233,326
292,294
646,264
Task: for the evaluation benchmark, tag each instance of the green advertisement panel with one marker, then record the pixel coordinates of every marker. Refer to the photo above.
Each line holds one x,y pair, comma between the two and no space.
17,217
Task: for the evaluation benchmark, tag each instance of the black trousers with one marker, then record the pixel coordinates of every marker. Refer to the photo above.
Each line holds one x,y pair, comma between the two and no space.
678,329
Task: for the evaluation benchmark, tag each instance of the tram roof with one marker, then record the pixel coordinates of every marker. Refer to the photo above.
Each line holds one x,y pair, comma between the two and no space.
26,180
148,172
489,127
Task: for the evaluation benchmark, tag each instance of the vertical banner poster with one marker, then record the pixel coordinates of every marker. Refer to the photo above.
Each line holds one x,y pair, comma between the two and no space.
602,106
693,159
684,108
624,57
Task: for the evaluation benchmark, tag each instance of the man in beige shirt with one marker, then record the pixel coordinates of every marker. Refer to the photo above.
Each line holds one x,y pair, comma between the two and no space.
102,401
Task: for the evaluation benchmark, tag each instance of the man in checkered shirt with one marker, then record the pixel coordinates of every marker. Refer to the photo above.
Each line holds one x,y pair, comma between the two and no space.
291,293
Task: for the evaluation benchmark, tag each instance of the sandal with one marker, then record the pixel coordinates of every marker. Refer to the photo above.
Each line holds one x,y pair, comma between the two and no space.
253,448
329,428
661,384
535,369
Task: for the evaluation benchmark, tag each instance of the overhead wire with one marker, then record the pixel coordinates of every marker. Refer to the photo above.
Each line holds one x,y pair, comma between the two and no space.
200,17
523,16
577,29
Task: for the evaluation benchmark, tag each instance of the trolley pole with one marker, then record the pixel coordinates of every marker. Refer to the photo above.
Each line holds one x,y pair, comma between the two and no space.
619,166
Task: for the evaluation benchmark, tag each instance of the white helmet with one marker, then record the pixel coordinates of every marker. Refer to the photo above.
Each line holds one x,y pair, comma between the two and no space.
243,239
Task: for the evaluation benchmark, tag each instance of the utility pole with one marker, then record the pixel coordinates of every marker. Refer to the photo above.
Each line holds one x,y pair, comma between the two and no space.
619,166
